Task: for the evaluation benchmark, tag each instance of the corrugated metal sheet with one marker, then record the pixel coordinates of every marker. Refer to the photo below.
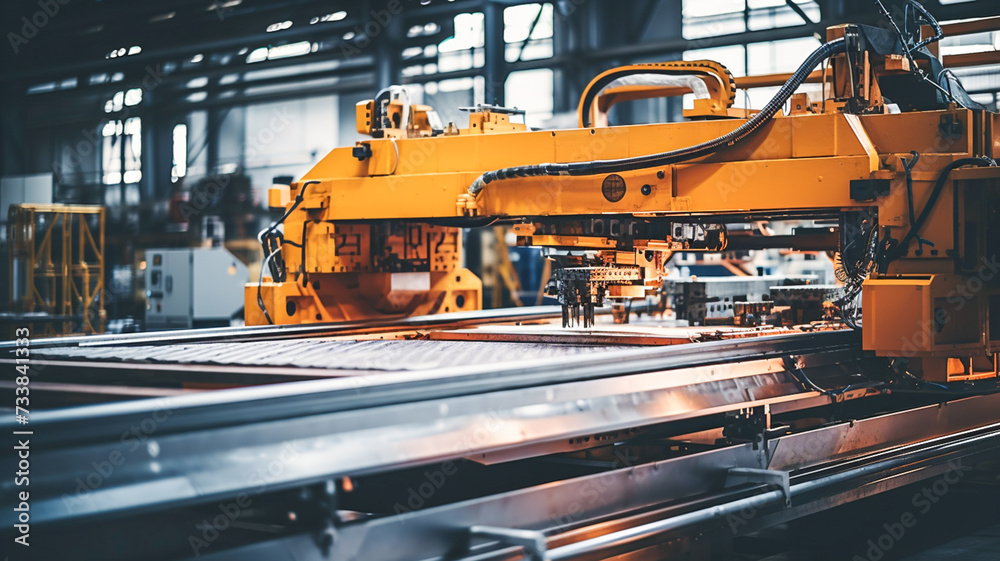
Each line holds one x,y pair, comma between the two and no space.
313,353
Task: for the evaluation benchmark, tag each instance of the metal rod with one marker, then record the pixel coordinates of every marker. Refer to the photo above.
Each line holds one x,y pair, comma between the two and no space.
266,332
769,498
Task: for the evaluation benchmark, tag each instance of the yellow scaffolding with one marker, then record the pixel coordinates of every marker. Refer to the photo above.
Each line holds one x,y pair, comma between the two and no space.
57,266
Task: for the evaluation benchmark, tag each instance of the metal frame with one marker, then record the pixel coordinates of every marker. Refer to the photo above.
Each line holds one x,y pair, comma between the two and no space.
205,450
59,280
541,402
666,497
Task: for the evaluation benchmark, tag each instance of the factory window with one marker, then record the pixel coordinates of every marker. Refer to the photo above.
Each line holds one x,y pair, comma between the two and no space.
132,159
282,51
980,81
531,90
257,55
469,34
528,32
52,86
115,104
463,50
421,30
732,57
779,56
279,26
775,57
701,19
112,162
133,50
122,151
334,16
971,43
754,59
180,146
769,14
133,97
446,96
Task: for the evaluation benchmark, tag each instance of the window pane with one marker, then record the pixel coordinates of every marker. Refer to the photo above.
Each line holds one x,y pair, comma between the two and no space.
531,90
179,168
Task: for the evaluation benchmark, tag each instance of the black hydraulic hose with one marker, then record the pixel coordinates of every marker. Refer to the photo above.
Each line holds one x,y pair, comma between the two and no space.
915,227
908,168
938,32
265,238
596,167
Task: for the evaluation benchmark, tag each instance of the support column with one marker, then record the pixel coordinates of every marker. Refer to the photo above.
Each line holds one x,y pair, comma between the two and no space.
387,52
13,159
495,66
214,122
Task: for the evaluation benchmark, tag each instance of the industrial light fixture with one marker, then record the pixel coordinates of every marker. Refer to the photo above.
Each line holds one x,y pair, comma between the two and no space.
334,16
279,26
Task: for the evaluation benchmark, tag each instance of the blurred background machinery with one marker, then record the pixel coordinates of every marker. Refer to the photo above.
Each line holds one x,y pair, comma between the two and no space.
56,268
188,288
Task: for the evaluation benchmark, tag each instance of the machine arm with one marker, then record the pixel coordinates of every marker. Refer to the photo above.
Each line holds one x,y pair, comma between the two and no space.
673,156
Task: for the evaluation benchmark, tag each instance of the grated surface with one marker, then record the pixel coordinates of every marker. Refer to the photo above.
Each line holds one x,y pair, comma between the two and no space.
313,353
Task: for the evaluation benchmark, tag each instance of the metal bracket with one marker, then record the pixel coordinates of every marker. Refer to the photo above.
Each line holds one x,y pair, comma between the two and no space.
493,109
749,425
327,503
740,475
533,541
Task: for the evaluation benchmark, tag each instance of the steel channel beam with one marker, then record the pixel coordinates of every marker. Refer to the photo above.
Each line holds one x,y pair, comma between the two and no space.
192,466
271,332
225,408
572,506
911,461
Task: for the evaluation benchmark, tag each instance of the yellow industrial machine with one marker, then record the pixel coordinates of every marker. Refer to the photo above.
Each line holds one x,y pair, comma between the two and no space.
893,151
57,267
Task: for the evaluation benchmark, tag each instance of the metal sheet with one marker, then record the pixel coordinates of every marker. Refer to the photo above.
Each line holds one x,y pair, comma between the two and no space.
555,336
218,462
286,332
440,532
392,355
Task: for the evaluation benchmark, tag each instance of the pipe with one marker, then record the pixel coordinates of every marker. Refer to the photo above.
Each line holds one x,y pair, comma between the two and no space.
706,515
